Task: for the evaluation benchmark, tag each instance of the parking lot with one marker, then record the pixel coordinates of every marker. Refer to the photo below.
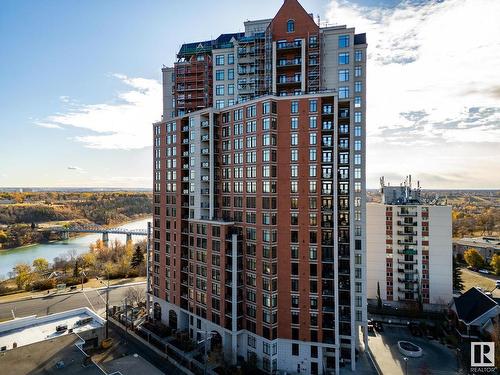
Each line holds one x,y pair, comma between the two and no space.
437,358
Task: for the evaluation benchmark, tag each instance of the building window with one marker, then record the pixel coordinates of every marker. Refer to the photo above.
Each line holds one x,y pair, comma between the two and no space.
230,74
230,59
343,92
343,41
219,104
357,117
357,101
313,105
219,60
295,349
290,26
357,71
294,107
357,131
313,122
219,90
219,75
343,58
357,86
343,75
230,89
358,55
294,123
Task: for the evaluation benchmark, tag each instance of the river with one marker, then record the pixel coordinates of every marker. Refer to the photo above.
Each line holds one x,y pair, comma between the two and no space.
26,254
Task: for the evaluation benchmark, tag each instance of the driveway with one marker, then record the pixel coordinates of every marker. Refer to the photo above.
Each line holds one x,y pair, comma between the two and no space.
437,358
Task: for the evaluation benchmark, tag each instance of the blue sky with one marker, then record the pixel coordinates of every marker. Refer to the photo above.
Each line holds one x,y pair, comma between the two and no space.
79,85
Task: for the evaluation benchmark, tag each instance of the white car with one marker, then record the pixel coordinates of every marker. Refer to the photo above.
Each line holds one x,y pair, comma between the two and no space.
498,283
484,271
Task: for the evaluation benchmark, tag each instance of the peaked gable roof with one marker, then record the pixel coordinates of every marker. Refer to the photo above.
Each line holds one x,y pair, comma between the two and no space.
292,10
472,304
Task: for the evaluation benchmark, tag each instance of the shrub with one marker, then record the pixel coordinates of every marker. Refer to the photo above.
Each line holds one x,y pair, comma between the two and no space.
43,284
70,281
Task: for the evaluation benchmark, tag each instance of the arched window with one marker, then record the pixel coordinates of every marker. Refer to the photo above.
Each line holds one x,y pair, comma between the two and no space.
290,26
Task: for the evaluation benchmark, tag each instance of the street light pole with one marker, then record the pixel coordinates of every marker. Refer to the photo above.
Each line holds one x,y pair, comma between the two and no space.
406,365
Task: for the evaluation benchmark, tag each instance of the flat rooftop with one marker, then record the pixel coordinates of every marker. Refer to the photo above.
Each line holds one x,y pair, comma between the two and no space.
489,242
131,365
33,329
56,356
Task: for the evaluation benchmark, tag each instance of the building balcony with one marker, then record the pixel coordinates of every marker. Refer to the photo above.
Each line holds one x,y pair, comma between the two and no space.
291,62
289,45
405,224
402,261
205,138
205,164
405,290
404,271
205,151
407,242
204,124
407,252
185,154
185,141
402,280
205,191
185,128
407,233
289,80
205,178
407,214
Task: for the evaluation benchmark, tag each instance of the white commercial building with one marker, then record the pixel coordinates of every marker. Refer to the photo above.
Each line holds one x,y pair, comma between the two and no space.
409,249
32,329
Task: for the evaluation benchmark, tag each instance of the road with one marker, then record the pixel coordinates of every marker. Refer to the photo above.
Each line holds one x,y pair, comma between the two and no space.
94,299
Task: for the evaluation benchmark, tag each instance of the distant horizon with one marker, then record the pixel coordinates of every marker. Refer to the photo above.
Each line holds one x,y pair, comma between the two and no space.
12,189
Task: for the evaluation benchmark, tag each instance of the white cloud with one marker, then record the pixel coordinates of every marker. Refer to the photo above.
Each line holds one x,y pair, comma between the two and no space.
77,169
122,124
47,125
433,82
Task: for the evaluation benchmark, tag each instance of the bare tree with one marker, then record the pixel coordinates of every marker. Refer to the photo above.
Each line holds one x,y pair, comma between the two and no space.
136,296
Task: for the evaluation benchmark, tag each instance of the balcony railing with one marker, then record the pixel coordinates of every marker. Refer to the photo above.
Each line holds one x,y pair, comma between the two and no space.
406,233
291,62
289,45
402,261
411,214
295,79
403,223
407,242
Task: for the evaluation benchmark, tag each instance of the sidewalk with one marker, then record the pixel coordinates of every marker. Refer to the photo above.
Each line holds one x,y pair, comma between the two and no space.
92,284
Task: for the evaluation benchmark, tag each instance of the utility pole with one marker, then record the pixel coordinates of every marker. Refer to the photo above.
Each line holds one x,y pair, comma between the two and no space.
126,315
107,307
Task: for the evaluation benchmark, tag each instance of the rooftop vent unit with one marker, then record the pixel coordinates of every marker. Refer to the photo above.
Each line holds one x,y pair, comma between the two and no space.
84,321
62,328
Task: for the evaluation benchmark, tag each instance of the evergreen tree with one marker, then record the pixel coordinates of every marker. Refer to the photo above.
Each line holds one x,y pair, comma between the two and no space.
457,276
76,271
137,258
379,299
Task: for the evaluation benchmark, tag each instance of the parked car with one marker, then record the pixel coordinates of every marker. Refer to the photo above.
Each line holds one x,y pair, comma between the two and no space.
484,271
498,283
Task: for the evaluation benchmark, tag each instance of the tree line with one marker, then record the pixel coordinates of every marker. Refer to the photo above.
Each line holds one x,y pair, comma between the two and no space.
117,260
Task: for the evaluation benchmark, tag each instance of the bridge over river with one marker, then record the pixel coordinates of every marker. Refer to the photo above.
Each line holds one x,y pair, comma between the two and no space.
65,231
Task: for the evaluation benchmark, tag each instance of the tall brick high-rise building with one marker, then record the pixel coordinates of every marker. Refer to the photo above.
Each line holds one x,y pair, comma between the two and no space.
259,194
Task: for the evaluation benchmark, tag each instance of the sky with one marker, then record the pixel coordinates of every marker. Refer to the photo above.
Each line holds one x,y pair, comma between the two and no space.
80,85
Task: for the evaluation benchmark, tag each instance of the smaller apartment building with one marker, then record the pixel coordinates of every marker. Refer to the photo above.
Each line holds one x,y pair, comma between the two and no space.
409,252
